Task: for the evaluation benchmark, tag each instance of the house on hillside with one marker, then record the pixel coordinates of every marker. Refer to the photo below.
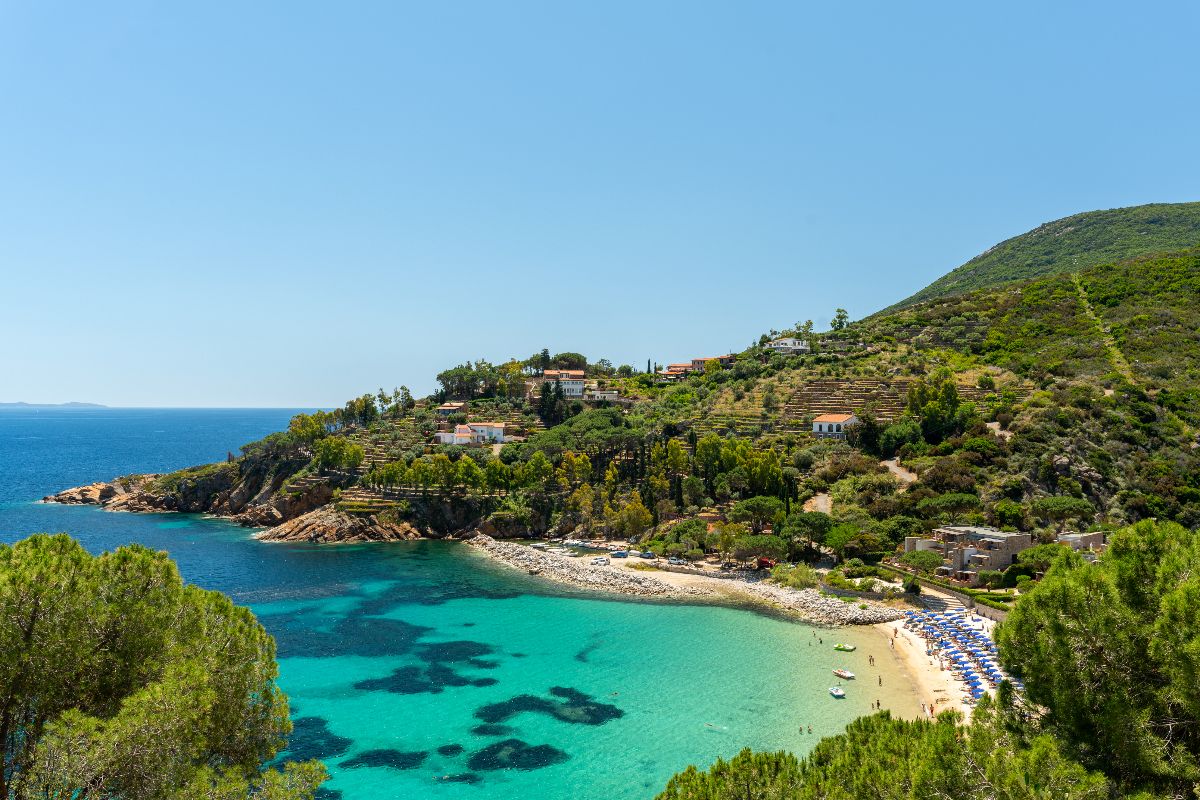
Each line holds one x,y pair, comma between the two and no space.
789,345
571,381
473,433
450,409
832,426
601,395
698,364
966,550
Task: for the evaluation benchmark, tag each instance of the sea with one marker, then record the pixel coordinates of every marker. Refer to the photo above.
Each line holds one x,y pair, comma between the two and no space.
422,669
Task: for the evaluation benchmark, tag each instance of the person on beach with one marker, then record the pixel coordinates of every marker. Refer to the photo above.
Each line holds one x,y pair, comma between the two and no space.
810,728
881,680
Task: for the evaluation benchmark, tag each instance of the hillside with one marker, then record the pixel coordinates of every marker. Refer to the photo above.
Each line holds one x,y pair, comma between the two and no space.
1067,394
1069,244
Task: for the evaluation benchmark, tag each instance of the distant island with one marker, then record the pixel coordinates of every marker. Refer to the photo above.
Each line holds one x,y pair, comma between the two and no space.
52,405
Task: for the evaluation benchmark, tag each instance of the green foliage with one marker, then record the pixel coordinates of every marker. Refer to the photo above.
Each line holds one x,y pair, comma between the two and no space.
882,757
923,561
1112,651
1061,509
118,680
798,576
335,452
1072,243
757,512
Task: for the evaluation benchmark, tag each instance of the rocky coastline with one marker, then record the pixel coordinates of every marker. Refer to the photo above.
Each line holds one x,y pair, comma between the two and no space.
808,604
284,517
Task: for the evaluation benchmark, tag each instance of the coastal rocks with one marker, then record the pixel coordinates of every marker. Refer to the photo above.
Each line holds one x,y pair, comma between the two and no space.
579,573
806,603
328,525
817,607
101,493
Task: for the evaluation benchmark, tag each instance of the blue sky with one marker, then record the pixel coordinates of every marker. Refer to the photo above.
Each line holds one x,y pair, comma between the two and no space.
287,204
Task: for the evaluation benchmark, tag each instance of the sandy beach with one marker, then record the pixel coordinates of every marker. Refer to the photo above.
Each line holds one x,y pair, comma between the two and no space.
931,684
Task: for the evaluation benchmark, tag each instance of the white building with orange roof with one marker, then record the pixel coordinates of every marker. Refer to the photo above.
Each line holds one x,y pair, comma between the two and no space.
571,380
832,426
473,433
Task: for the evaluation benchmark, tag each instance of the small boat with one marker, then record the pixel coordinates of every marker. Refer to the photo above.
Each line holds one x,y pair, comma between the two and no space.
837,692
845,648
844,673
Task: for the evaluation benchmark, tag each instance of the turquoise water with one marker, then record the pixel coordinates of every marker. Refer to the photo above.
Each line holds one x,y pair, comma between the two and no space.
423,670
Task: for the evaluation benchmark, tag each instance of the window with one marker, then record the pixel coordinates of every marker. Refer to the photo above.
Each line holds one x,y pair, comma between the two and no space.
839,428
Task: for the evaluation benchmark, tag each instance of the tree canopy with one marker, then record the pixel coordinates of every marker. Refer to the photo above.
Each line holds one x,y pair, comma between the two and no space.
117,680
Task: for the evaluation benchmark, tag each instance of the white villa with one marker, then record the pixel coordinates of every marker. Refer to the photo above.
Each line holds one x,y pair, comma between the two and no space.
473,433
571,380
446,409
832,426
788,345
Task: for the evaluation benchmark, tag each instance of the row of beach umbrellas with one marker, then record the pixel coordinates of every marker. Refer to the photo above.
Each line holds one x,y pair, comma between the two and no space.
971,653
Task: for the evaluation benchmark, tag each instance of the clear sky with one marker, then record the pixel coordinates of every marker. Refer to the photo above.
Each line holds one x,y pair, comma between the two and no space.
287,204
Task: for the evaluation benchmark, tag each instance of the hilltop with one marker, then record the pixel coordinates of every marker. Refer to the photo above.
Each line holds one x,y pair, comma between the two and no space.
1070,244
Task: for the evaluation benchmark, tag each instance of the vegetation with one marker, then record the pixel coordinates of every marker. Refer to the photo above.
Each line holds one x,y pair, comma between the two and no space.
1072,243
1110,657
117,680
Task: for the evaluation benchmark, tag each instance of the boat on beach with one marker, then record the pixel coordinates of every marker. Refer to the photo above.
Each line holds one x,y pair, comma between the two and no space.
844,673
837,692
845,648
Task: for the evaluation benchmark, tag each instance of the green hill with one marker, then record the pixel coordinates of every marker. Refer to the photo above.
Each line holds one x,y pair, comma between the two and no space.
1070,244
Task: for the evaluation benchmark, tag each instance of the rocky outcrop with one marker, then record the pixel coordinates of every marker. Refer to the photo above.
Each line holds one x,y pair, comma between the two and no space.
327,525
101,494
247,492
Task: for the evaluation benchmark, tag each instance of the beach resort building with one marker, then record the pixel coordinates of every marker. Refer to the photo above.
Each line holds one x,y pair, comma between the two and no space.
789,345
967,550
832,426
1083,542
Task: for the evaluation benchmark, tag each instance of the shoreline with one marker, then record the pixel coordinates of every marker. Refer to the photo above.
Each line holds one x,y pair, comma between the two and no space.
807,604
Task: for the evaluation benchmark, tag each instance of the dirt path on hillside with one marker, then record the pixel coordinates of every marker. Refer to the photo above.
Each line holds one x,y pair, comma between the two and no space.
903,474
819,502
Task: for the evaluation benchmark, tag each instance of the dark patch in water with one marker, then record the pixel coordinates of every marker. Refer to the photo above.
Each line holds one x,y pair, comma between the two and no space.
450,749
395,759
311,738
575,707
468,624
519,655
462,777
483,663
435,593
327,794
421,680
301,635
488,729
515,754
582,655
453,652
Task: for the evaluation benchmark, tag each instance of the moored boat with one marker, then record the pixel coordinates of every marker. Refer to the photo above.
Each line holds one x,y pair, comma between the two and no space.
845,648
837,692
844,673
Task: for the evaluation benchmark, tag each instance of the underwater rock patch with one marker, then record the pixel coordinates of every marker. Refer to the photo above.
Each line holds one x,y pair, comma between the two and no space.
488,729
420,680
462,777
515,754
311,738
450,749
575,707
384,757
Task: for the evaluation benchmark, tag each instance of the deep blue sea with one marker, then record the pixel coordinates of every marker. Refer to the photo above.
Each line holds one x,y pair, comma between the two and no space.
422,670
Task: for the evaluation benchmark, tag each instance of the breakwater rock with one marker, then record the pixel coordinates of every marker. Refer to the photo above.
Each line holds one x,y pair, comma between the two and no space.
814,606
327,525
578,572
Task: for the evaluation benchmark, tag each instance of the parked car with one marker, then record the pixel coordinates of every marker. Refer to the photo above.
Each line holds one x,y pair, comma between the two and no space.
766,563
600,561
675,561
